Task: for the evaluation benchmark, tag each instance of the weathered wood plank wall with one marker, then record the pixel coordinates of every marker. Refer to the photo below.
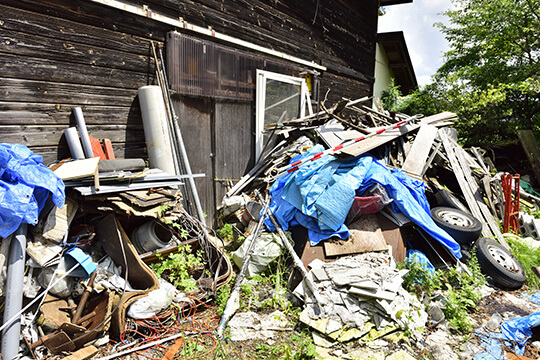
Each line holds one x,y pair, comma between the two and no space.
56,54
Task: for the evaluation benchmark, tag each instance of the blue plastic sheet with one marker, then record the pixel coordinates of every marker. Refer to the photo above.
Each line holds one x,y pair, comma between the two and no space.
319,195
519,330
25,185
421,259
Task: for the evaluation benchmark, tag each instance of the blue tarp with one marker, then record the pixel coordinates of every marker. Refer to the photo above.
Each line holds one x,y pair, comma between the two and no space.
25,185
319,195
519,330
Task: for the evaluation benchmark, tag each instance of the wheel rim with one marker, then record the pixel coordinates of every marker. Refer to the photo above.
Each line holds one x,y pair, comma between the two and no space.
503,258
453,218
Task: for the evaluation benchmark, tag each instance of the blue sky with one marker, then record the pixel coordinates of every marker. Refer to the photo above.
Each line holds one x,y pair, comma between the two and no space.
425,42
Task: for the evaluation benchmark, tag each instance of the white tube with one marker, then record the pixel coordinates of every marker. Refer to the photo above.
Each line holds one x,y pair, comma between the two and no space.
75,147
77,112
156,130
14,293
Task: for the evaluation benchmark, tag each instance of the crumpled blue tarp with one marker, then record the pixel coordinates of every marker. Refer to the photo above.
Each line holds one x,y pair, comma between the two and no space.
319,195
416,256
25,184
519,330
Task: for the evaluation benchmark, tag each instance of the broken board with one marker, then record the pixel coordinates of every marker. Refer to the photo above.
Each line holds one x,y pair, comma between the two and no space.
366,236
416,158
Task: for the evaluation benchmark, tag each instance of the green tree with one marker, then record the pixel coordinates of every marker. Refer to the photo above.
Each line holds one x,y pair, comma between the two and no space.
491,74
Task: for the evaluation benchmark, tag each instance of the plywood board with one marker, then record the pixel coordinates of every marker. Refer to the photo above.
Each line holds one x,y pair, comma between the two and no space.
366,235
77,169
417,156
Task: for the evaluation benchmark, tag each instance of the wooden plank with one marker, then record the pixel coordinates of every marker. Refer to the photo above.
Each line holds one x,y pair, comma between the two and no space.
89,13
14,66
530,146
20,113
31,45
389,135
66,30
465,189
366,235
475,189
31,91
34,135
77,169
419,152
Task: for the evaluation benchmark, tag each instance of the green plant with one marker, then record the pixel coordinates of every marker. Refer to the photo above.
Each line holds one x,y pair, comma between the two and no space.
528,257
460,289
419,279
178,267
222,296
299,347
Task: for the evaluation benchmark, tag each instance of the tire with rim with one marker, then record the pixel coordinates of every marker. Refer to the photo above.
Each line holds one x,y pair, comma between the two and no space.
505,270
447,199
462,227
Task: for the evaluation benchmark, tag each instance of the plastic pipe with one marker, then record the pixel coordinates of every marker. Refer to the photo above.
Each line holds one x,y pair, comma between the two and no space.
74,144
14,293
156,132
87,145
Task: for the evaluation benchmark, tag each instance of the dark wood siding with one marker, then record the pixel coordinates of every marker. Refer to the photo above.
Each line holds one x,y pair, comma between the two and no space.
56,54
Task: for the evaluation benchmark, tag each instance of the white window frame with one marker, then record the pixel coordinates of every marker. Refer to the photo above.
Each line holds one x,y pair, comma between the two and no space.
260,106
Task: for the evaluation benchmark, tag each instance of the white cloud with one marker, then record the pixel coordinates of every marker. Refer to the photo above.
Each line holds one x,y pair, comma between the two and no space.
426,43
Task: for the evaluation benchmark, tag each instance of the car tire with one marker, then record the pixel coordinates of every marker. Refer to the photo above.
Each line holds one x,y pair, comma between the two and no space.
505,271
446,199
462,227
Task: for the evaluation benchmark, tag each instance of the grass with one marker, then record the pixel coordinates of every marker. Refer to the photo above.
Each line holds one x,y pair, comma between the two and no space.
528,257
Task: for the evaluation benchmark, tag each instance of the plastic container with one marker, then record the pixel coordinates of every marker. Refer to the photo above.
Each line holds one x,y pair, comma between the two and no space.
150,236
251,211
371,202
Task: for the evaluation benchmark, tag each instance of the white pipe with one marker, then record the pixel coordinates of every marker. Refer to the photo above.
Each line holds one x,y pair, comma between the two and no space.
180,23
74,144
14,293
156,129
77,112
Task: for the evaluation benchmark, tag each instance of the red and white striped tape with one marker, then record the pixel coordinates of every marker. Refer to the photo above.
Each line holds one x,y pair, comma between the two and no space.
297,164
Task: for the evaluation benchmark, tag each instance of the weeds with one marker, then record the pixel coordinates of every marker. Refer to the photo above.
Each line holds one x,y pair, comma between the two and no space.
459,288
528,257
178,267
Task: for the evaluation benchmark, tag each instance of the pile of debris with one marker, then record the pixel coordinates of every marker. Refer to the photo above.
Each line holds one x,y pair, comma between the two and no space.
348,192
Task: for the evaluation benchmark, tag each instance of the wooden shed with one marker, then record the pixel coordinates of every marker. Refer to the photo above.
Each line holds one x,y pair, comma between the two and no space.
57,54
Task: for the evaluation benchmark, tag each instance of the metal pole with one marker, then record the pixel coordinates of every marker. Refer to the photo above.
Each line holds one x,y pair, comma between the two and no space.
234,300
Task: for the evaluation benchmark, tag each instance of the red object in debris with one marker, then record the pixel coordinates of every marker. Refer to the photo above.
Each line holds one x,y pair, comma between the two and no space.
364,205
107,147
511,205
96,148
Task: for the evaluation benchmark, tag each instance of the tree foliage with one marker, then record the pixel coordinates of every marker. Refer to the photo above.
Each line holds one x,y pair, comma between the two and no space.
491,74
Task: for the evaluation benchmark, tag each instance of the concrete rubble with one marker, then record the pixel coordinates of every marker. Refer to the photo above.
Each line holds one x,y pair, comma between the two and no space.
360,293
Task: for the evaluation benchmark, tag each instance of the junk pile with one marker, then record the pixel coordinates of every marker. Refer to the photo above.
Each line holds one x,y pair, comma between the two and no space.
359,189
98,249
